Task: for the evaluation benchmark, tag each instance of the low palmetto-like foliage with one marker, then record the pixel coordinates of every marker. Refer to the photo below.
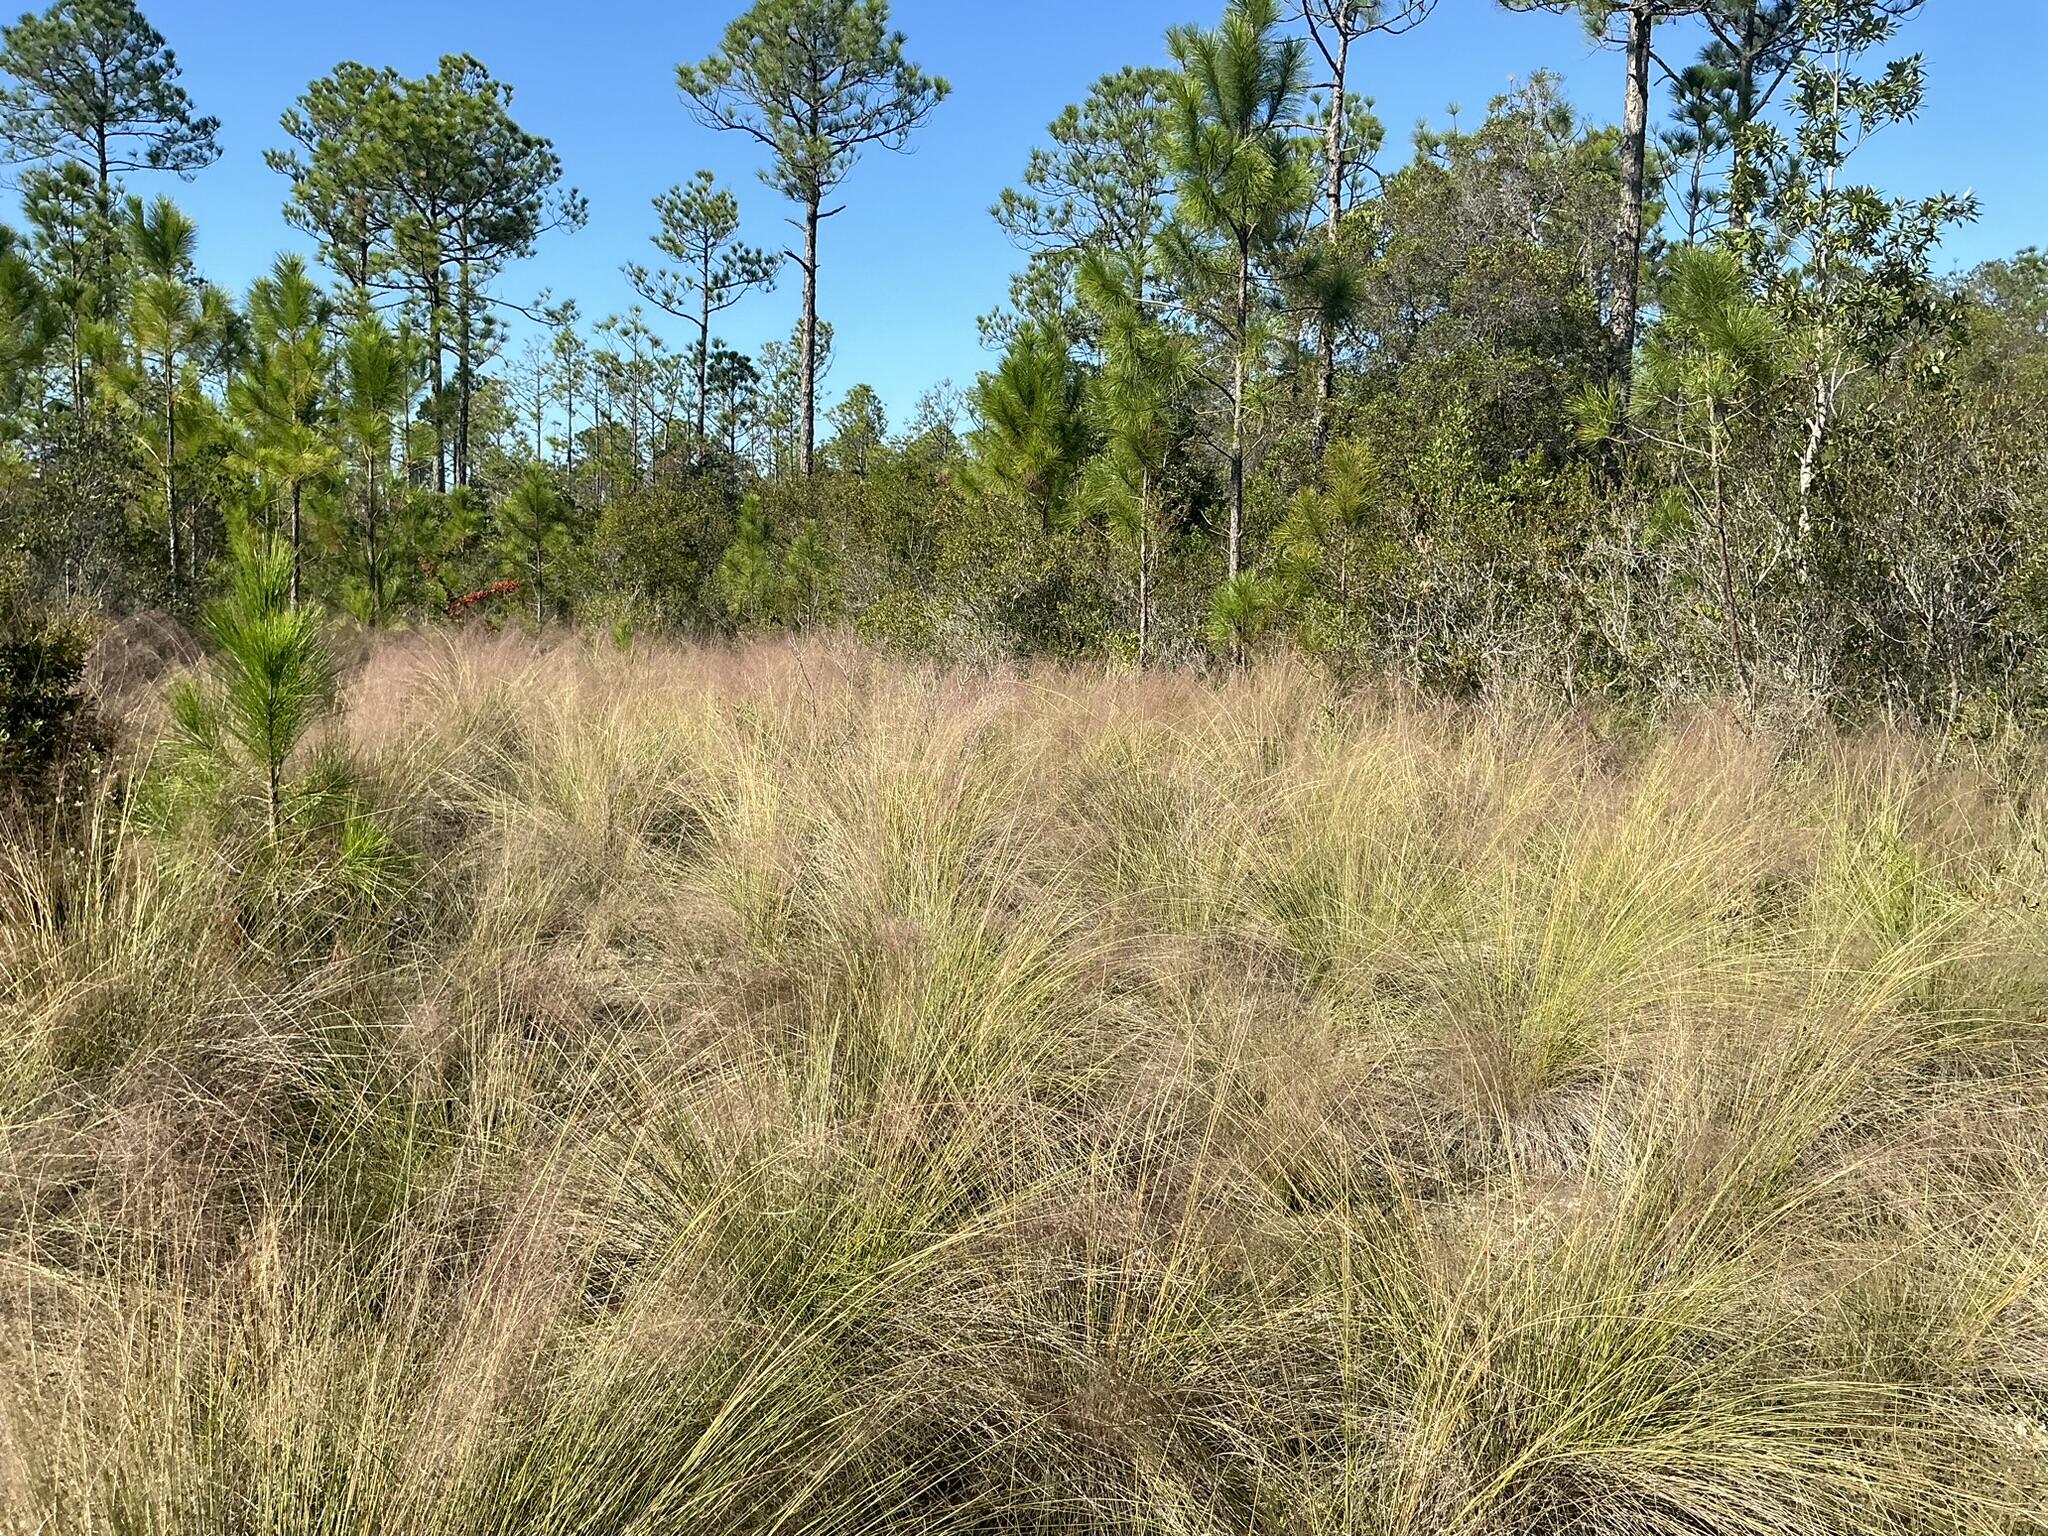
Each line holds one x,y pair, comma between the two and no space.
800,1093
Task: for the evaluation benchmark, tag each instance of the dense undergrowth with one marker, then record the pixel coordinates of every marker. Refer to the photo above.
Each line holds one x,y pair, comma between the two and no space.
781,1091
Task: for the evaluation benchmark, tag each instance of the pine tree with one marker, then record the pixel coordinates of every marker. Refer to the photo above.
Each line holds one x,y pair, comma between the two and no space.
273,677
815,82
1243,179
1336,27
283,399
714,270
430,186
807,572
74,250
376,373
1101,186
1703,110
1709,368
860,425
167,316
533,531
1134,402
28,325
1031,434
732,381
747,579
94,83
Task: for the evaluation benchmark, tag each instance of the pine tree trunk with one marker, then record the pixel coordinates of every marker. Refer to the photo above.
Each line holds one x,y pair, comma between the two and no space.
1745,118
370,537
1334,147
1237,388
1334,134
298,492
1326,390
434,345
704,354
808,427
1144,565
170,459
465,321
1635,131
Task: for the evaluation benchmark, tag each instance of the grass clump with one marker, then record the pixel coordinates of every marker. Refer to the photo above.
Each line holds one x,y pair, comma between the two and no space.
783,1090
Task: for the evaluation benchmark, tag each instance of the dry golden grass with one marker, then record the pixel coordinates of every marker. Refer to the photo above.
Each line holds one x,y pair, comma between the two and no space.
780,1091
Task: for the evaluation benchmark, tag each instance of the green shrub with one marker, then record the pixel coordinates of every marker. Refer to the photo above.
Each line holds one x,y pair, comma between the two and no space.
901,623
43,716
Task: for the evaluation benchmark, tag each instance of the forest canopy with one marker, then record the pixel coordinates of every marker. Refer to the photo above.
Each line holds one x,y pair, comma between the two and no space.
1671,407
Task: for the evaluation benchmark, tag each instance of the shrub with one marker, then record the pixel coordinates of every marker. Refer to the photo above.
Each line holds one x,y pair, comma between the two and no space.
43,711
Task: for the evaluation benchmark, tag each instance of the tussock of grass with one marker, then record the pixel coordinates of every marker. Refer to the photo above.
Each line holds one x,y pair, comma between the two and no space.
776,1091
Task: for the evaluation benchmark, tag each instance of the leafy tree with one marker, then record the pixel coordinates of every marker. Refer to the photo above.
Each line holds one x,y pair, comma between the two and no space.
43,704
1755,45
2007,318
655,549
815,82
1636,21
93,82
1848,269
1708,371
1242,179
714,271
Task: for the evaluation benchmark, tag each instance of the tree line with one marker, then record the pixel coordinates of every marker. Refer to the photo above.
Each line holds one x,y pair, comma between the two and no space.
1670,408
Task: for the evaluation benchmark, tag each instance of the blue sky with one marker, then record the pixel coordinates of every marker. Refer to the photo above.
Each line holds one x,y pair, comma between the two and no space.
915,258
